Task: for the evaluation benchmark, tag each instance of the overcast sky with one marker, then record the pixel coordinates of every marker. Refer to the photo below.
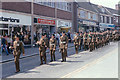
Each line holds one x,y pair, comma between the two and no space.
107,3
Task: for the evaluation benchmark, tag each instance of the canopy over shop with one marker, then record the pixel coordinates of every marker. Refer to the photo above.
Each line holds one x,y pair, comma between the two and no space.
41,25
86,25
64,26
106,26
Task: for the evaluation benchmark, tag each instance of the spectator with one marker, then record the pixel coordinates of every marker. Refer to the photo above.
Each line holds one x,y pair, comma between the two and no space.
57,38
9,40
4,45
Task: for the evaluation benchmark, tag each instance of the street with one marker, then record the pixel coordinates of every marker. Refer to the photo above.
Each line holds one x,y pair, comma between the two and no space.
96,64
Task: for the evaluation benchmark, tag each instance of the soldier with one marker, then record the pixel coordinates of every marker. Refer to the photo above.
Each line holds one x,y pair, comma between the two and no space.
97,40
42,49
52,47
63,46
76,42
18,48
81,40
46,43
85,40
94,39
90,41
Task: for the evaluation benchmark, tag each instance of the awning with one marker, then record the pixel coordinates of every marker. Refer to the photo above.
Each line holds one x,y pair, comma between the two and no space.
3,28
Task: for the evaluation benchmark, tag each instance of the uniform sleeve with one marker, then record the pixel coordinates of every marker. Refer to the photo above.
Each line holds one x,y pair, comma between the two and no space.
79,40
67,39
55,43
14,44
22,47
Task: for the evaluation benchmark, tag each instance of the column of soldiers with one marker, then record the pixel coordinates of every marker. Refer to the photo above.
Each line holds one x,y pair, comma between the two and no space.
94,40
87,40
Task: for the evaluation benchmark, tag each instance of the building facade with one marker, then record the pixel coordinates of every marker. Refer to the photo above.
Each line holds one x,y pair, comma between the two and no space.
48,17
87,17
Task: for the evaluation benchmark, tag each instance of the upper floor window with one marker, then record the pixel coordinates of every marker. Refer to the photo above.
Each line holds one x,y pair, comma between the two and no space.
108,20
82,14
94,17
103,10
89,16
101,19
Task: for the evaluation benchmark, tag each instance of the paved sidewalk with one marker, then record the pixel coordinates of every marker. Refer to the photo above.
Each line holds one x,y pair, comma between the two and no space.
28,53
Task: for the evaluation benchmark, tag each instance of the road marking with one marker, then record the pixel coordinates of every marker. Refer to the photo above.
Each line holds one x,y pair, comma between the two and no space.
89,64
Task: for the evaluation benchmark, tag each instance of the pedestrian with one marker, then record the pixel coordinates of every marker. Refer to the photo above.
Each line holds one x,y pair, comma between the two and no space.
9,40
63,46
4,45
52,45
18,49
57,38
42,52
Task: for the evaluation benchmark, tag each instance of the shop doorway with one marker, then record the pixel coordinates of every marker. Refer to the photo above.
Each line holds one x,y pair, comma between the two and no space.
3,32
52,29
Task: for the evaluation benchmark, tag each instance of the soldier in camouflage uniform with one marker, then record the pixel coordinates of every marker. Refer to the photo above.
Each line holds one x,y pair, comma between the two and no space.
18,48
63,46
85,41
52,45
42,49
77,42
90,37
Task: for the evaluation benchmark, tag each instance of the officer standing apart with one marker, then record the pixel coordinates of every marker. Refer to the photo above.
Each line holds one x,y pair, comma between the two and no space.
63,46
18,48
76,42
42,53
52,44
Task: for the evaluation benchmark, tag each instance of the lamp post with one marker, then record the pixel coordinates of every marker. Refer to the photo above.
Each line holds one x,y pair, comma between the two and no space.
119,13
32,22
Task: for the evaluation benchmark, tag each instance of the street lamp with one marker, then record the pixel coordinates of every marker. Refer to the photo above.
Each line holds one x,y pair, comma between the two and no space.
119,13
32,22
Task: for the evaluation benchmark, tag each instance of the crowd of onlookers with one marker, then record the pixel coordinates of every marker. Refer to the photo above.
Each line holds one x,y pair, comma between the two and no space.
7,40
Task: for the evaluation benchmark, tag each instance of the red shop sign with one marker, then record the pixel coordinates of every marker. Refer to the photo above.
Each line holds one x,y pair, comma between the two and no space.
45,21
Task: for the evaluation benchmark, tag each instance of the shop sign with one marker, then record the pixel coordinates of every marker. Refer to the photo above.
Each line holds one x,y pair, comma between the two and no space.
88,23
46,21
14,19
9,19
106,25
63,23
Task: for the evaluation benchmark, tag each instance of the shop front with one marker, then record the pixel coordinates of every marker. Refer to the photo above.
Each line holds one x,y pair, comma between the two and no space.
63,26
12,24
104,26
42,25
85,25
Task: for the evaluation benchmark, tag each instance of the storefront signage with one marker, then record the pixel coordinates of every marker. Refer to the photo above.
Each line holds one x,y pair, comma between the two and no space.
15,19
88,23
106,25
63,23
45,21
9,19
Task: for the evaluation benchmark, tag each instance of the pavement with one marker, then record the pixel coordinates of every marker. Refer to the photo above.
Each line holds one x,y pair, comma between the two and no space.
101,63
28,53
